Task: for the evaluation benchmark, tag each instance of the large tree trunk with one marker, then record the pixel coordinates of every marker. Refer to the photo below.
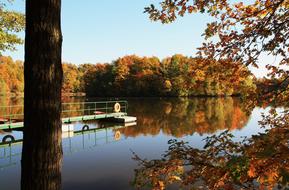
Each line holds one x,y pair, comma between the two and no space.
42,148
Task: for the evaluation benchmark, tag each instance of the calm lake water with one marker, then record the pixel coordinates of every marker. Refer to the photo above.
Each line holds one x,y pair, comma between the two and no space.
102,159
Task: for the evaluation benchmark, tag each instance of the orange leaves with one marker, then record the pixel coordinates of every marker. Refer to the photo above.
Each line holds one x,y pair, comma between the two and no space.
252,170
264,172
225,164
200,117
71,78
11,76
246,29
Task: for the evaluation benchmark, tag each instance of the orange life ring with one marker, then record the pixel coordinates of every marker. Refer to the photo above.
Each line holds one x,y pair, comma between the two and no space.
117,135
116,107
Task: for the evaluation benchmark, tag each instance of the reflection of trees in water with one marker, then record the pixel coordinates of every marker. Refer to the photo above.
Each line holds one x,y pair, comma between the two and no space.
180,117
16,109
6,101
258,162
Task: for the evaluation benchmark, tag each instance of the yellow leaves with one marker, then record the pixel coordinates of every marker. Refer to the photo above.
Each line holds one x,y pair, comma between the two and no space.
168,85
11,23
175,178
214,8
200,75
286,4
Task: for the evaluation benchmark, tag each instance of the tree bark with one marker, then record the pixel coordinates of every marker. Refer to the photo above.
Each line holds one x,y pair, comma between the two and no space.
42,148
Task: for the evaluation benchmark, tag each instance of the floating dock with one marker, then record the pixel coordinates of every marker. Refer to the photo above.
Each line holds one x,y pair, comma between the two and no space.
124,119
11,117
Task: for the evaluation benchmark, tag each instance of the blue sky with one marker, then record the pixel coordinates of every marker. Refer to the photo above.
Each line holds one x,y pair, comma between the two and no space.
103,30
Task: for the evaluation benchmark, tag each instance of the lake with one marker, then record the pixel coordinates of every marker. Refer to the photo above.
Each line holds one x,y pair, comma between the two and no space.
102,159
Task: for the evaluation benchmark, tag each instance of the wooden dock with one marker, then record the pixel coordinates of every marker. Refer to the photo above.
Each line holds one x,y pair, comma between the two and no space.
115,111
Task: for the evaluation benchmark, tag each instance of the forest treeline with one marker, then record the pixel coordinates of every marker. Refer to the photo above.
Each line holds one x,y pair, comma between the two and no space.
143,76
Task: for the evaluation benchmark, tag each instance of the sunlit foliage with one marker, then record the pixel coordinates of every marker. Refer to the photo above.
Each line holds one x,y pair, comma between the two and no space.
259,162
144,76
71,78
240,32
174,76
11,23
11,76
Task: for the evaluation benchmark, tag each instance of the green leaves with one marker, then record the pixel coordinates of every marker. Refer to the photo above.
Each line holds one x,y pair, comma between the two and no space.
11,23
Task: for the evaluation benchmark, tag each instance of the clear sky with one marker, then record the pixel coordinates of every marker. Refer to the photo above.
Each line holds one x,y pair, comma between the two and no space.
103,30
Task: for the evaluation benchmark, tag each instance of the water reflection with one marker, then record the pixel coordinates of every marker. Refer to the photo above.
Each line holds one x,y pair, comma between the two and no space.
44,170
261,162
72,142
181,117
176,117
90,166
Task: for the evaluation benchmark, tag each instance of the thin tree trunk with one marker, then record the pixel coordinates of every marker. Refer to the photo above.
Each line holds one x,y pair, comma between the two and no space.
42,149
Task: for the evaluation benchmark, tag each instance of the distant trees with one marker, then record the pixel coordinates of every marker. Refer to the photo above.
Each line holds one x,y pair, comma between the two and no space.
240,31
174,76
137,76
11,76
71,78
97,79
144,76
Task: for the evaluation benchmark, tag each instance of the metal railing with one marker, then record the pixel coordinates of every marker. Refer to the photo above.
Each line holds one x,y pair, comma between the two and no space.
10,114
15,113
91,108
10,153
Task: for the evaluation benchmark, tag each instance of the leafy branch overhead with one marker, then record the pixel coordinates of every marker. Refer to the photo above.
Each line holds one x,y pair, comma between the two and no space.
260,162
244,30
11,23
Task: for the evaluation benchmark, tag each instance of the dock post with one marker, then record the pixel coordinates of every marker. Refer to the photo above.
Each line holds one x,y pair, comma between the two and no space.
94,107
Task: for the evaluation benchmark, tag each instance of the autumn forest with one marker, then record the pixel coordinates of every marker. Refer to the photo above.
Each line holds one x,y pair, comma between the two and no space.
177,76
209,123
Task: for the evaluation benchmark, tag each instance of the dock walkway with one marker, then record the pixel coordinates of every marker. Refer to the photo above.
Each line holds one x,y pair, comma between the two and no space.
11,117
